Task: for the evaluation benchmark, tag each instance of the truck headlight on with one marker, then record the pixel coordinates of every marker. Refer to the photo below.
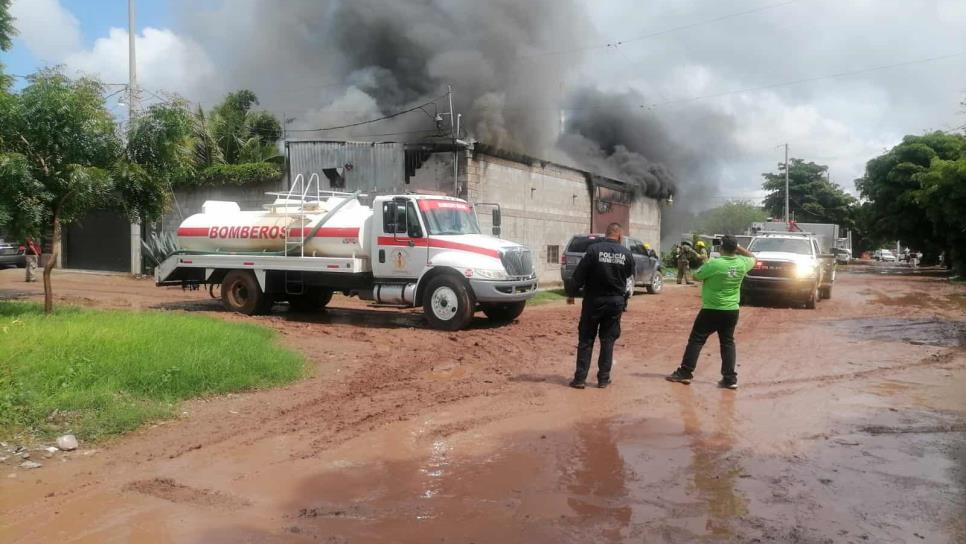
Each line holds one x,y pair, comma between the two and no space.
805,270
489,274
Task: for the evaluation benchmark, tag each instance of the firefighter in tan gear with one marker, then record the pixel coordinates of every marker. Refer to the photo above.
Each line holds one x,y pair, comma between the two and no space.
683,255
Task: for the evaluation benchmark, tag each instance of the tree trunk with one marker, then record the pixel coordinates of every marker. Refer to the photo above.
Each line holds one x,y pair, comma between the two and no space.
49,266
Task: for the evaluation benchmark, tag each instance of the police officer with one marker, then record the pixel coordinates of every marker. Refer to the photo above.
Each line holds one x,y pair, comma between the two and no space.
603,273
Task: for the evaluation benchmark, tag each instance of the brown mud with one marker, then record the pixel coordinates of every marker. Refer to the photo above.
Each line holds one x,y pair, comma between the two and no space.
849,426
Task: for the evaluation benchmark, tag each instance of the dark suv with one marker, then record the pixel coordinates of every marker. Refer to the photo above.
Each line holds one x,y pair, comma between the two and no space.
647,264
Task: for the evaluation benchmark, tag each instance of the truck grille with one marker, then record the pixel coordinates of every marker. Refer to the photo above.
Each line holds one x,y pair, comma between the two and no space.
773,269
517,261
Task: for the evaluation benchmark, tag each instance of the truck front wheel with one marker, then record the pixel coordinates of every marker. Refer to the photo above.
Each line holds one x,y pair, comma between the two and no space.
240,293
504,312
448,303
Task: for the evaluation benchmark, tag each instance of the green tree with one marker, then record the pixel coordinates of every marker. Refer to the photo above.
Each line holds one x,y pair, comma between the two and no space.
238,130
61,156
7,30
893,185
733,217
943,197
812,197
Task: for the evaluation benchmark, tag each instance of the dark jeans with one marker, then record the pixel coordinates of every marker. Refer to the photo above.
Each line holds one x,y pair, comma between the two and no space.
722,322
598,316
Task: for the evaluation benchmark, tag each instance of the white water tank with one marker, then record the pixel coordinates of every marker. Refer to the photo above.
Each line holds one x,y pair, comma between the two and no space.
222,227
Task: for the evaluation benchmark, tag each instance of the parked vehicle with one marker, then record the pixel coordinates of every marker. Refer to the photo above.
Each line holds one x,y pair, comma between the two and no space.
790,265
842,255
405,251
884,255
12,253
647,263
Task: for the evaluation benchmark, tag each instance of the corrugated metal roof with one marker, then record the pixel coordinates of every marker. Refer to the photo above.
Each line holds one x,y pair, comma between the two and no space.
366,166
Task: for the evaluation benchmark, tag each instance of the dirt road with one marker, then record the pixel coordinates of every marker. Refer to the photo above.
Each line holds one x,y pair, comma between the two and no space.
850,426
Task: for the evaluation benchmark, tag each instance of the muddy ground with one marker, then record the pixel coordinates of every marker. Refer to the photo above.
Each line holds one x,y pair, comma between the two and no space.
849,426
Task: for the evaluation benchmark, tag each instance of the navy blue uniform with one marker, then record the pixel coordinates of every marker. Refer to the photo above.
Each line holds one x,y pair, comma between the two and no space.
603,273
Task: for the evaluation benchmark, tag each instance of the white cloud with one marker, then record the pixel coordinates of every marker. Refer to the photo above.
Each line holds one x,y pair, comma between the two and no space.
49,30
165,61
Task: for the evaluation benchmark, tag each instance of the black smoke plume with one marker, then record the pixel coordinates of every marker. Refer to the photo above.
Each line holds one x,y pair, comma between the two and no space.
511,63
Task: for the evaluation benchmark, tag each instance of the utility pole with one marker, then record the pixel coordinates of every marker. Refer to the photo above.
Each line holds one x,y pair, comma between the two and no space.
786,186
456,153
132,89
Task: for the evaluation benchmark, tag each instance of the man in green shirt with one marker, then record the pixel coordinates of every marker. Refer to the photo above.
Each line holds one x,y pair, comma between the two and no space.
720,294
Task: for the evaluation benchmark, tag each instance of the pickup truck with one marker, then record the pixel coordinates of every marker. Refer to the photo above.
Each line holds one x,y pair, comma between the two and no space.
790,265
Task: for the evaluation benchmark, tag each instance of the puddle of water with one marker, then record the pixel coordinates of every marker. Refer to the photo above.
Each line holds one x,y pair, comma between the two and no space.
606,481
928,332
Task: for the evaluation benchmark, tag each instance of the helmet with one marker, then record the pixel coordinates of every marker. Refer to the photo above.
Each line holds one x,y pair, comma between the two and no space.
700,243
647,246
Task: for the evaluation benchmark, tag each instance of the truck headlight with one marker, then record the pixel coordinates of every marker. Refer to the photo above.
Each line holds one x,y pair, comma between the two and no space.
490,274
805,270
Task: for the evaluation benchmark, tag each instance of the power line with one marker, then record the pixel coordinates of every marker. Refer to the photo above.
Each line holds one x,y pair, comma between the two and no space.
642,37
383,118
804,80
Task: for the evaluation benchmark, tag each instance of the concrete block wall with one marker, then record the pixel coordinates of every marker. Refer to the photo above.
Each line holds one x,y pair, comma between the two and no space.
645,222
542,205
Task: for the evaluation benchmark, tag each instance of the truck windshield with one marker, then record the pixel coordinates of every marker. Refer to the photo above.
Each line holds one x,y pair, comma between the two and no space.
445,217
786,245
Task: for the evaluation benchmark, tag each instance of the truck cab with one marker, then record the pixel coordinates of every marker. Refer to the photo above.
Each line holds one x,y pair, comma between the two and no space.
429,250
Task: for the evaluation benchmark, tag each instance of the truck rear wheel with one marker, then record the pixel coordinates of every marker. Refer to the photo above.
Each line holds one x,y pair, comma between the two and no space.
240,293
448,303
312,300
504,312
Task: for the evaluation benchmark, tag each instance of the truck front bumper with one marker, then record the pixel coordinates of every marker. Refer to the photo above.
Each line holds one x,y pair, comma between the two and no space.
783,287
505,290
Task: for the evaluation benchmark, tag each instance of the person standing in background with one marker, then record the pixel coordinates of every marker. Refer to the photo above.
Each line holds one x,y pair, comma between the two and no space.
32,258
683,256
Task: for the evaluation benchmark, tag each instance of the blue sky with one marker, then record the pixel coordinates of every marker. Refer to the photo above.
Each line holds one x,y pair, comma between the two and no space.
96,18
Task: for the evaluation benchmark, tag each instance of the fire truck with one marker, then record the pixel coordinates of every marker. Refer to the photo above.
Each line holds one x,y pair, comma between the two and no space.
401,250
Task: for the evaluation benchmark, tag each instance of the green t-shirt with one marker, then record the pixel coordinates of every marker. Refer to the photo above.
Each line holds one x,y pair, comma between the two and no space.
722,281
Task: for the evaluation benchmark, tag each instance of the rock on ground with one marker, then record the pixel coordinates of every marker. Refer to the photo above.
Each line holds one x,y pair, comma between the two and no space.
67,442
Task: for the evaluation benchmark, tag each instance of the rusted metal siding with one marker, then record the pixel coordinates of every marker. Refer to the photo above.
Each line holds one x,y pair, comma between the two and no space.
367,166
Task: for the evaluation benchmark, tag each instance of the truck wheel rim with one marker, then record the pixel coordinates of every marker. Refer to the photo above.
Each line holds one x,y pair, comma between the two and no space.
444,303
657,281
238,294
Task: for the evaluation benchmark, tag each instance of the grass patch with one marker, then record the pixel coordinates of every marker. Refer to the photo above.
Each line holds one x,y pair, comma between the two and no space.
99,373
550,295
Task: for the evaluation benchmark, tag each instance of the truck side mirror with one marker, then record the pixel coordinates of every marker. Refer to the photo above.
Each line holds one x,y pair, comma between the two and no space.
497,220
